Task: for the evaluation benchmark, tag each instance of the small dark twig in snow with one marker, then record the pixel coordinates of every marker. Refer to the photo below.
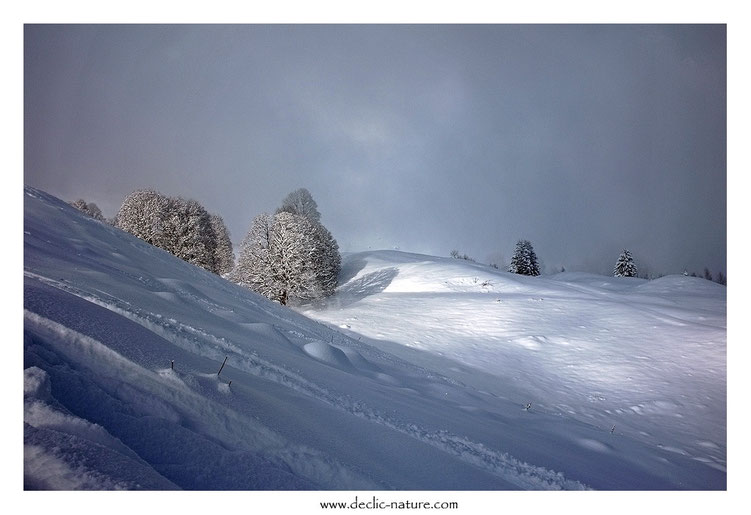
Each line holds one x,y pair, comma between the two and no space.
528,406
612,429
220,368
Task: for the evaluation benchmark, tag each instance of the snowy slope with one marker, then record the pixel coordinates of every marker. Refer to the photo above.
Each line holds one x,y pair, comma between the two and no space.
423,388
648,357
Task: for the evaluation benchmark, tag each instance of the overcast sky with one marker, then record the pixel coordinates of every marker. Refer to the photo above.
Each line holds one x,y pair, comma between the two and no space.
582,139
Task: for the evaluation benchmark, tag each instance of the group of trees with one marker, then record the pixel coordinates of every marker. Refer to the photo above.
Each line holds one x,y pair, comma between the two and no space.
524,262
625,267
719,278
290,254
89,208
287,255
181,227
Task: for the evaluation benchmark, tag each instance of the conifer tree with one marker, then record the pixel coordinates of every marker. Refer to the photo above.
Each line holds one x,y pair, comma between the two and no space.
625,266
524,260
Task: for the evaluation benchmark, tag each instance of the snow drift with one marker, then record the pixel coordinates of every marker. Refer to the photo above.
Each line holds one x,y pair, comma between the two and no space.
415,377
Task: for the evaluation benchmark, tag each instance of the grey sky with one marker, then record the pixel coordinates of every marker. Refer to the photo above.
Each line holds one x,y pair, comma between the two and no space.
584,139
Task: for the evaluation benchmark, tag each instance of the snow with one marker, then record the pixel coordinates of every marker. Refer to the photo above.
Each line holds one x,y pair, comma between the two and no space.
648,357
414,376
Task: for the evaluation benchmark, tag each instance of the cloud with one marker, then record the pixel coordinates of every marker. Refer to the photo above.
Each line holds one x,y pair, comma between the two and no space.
583,139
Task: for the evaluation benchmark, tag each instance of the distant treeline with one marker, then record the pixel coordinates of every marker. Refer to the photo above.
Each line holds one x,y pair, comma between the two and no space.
524,261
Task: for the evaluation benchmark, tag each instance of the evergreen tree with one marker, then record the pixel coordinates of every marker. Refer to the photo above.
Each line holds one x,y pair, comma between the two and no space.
524,260
707,274
625,266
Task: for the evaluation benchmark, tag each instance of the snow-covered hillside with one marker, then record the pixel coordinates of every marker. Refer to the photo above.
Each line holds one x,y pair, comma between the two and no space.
417,379
644,357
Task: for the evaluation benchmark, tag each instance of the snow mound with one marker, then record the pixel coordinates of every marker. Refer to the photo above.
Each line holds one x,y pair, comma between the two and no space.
329,354
676,284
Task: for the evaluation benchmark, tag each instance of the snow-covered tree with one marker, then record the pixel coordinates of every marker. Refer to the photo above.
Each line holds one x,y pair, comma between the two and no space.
524,260
326,258
181,227
278,257
143,215
294,253
224,256
253,268
189,233
625,266
300,202
288,256
89,208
